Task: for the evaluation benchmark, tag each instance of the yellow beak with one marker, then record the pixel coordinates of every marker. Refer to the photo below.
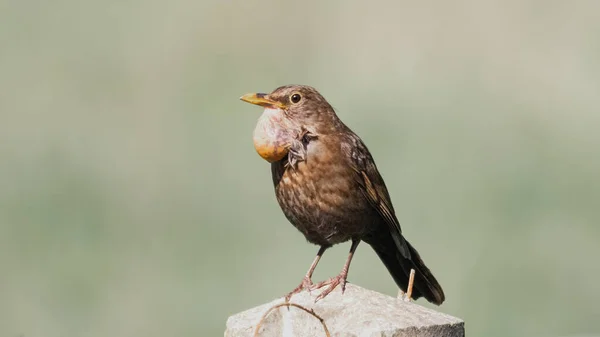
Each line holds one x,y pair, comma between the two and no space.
262,100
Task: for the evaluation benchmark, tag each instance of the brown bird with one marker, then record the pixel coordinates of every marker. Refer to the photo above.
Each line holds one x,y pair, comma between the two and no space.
329,188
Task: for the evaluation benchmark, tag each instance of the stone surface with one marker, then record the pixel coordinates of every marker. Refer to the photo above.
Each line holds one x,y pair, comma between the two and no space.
358,312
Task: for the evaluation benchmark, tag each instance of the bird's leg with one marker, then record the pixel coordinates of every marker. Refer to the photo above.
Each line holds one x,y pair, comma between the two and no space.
339,279
306,281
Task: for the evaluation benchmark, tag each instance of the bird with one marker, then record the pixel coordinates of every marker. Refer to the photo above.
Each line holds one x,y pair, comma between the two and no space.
328,186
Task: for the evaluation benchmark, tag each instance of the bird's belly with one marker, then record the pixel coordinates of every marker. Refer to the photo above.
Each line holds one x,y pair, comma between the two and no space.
321,199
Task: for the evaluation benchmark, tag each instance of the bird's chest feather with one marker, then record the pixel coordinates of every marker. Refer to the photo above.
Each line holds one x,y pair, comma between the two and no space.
319,194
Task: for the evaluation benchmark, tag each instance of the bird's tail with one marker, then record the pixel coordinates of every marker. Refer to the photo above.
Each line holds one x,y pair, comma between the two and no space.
425,284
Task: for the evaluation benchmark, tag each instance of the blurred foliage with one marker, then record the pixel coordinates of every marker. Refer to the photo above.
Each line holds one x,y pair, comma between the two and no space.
132,202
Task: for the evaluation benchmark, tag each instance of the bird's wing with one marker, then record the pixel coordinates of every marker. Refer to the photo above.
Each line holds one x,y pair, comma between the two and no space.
373,188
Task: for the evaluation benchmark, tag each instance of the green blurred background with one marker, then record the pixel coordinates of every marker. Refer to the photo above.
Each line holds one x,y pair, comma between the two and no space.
132,202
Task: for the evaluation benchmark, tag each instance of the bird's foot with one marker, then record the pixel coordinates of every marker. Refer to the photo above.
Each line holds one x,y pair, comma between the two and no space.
305,284
331,283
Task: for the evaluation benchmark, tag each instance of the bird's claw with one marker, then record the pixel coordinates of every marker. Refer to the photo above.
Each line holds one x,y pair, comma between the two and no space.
331,283
305,284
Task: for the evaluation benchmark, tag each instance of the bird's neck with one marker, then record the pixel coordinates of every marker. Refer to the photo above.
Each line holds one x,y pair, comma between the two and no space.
328,124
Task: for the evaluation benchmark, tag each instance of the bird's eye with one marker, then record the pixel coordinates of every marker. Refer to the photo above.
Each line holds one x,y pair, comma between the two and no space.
295,98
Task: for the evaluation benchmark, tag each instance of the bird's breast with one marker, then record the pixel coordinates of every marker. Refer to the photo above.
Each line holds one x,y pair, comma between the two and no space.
319,194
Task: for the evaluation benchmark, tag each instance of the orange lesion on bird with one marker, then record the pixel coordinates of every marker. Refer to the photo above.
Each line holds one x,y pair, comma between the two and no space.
274,132
273,135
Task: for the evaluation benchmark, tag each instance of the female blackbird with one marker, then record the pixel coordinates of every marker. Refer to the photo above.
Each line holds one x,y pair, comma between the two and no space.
328,187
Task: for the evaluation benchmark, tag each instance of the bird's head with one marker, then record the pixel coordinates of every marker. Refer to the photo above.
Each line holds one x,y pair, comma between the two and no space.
288,111
300,103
